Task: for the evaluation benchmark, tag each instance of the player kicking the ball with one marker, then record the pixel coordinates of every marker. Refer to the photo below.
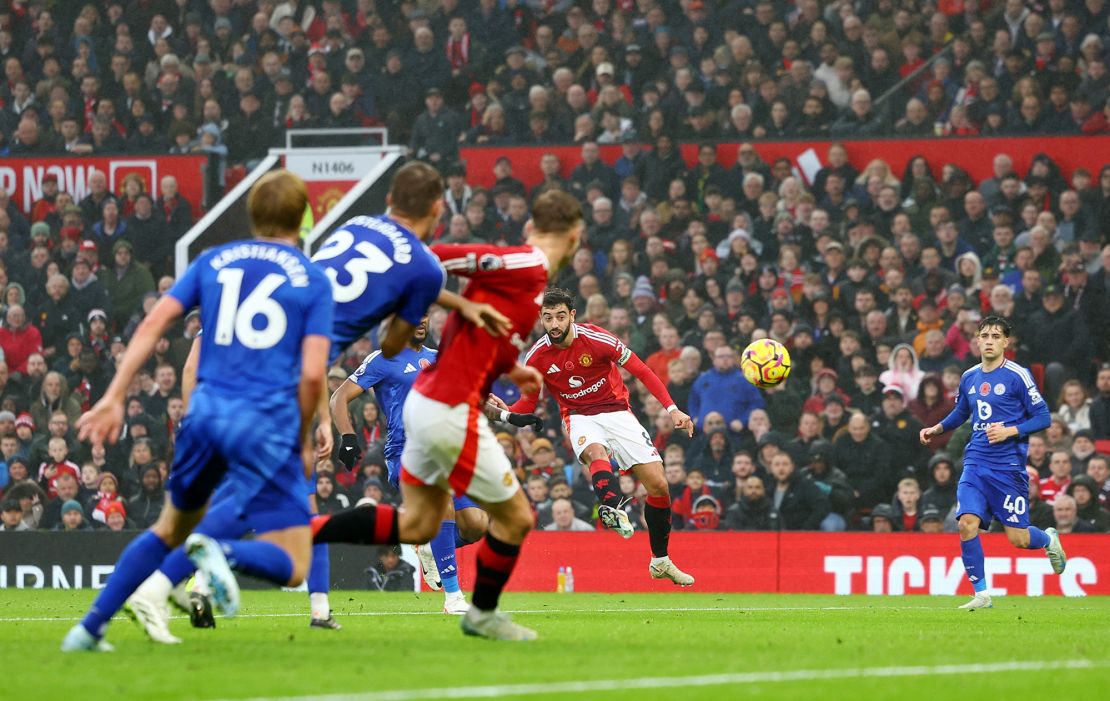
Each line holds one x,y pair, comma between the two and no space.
449,446
581,365
1006,408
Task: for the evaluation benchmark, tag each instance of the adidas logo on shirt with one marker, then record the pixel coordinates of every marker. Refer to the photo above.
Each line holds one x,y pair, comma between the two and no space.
409,368
553,369
1013,519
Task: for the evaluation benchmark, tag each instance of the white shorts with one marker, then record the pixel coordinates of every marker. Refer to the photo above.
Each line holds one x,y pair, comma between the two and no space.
453,447
621,434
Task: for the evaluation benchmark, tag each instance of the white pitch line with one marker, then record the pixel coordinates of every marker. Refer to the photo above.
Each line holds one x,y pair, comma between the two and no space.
600,685
690,609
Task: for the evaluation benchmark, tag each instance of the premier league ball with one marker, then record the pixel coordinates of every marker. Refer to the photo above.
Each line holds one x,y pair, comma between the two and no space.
765,363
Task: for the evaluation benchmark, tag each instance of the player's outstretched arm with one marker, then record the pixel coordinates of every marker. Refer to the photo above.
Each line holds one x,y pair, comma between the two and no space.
104,421
496,410
649,379
484,316
349,451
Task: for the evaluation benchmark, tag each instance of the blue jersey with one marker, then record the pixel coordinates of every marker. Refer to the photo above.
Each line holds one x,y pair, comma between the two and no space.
258,300
391,379
1004,395
377,267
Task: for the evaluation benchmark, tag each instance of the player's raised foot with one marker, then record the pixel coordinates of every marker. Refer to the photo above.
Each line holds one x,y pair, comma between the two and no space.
153,614
663,568
200,611
209,558
981,600
455,604
615,520
328,623
494,625
80,640
428,567
1055,551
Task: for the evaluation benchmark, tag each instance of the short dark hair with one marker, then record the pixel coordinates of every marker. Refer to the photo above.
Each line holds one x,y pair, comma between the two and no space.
556,296
415,189
998,321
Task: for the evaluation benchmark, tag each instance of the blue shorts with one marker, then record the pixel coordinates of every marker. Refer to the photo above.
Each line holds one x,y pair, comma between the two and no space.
250,449
393,468
1003,494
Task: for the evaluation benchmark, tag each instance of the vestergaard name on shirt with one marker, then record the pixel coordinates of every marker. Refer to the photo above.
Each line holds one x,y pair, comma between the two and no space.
402,249
289,262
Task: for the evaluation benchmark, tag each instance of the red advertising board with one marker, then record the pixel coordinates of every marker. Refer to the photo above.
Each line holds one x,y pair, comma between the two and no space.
973,155
812,563
22,177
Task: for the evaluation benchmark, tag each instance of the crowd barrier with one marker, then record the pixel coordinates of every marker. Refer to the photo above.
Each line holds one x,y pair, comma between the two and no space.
755,562
976,156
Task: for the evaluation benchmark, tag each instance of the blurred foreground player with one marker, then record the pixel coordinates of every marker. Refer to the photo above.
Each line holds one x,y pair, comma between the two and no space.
449,445
1007,409
261,372
581,365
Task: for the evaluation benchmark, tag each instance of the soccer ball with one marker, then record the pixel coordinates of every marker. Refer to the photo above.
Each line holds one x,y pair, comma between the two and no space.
765,363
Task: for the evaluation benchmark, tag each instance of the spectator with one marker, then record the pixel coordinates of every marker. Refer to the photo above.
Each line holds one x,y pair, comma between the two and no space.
799,505
19,339
145,507
127,282
73,518
943,478
1059,478
1065,512
752,512
563,518
435,132
865,459
1085,493
724,390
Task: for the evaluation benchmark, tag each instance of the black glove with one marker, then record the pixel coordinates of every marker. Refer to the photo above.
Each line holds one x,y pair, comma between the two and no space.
522,420
349,452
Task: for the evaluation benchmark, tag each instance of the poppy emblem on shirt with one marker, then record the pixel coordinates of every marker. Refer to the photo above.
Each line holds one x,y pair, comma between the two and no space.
568,365
985,388
1000,389
585,360
424,362
901,423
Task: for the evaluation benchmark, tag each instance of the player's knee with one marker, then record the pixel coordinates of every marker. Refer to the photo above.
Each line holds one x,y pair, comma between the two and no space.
472,524
969,526
424,528
595,451
654,483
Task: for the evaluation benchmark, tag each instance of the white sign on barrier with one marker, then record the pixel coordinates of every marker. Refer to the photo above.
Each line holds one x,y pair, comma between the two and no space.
332,166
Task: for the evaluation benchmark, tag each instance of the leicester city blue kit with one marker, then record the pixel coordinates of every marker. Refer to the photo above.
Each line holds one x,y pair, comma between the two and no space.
994,482
391,379
377,267
258,301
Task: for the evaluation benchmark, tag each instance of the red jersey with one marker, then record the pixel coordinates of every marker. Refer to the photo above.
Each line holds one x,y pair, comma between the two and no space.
510,278
1050,488
583,377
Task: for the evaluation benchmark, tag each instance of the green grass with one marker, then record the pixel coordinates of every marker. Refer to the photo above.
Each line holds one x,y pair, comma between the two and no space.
269,651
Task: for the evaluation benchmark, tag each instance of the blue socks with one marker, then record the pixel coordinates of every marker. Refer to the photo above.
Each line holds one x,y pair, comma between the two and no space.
972,553
139,560
259,559
1038,539
177,566
320,571
443,549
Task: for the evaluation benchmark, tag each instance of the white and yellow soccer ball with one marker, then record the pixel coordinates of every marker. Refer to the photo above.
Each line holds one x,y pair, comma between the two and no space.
765,363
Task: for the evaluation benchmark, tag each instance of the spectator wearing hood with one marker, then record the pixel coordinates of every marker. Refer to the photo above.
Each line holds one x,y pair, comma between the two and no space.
943,479
73,518
145,507
832,481
86,291
107,493
127,281
1085,492
329,500
824,388
706,515
903,371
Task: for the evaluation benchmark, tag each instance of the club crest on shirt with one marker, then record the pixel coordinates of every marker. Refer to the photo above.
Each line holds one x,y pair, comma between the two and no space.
424,362
985,388
581,440
507,479
1000,389
585,360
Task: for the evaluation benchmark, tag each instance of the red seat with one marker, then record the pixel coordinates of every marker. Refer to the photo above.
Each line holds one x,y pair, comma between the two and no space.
1103,446
233,176
1038,374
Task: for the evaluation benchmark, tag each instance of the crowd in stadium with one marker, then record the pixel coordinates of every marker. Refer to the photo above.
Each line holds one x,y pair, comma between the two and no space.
874,280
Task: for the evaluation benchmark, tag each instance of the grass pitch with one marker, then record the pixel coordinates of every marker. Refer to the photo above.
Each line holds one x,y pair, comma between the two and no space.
398,647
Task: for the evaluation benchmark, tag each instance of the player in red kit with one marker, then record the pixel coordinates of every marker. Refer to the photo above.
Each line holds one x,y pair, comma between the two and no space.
581,365
449,445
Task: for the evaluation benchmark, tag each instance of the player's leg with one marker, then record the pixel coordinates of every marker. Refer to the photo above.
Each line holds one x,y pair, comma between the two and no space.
139,560
974,510
319,576
1014,489
465,523
657,514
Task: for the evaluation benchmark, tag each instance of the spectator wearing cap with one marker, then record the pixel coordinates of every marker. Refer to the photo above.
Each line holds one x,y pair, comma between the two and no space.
882,518
435,132
19,339
73,517
897,427
1043,331
543,460
126,282
11,516
832,481
931,520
